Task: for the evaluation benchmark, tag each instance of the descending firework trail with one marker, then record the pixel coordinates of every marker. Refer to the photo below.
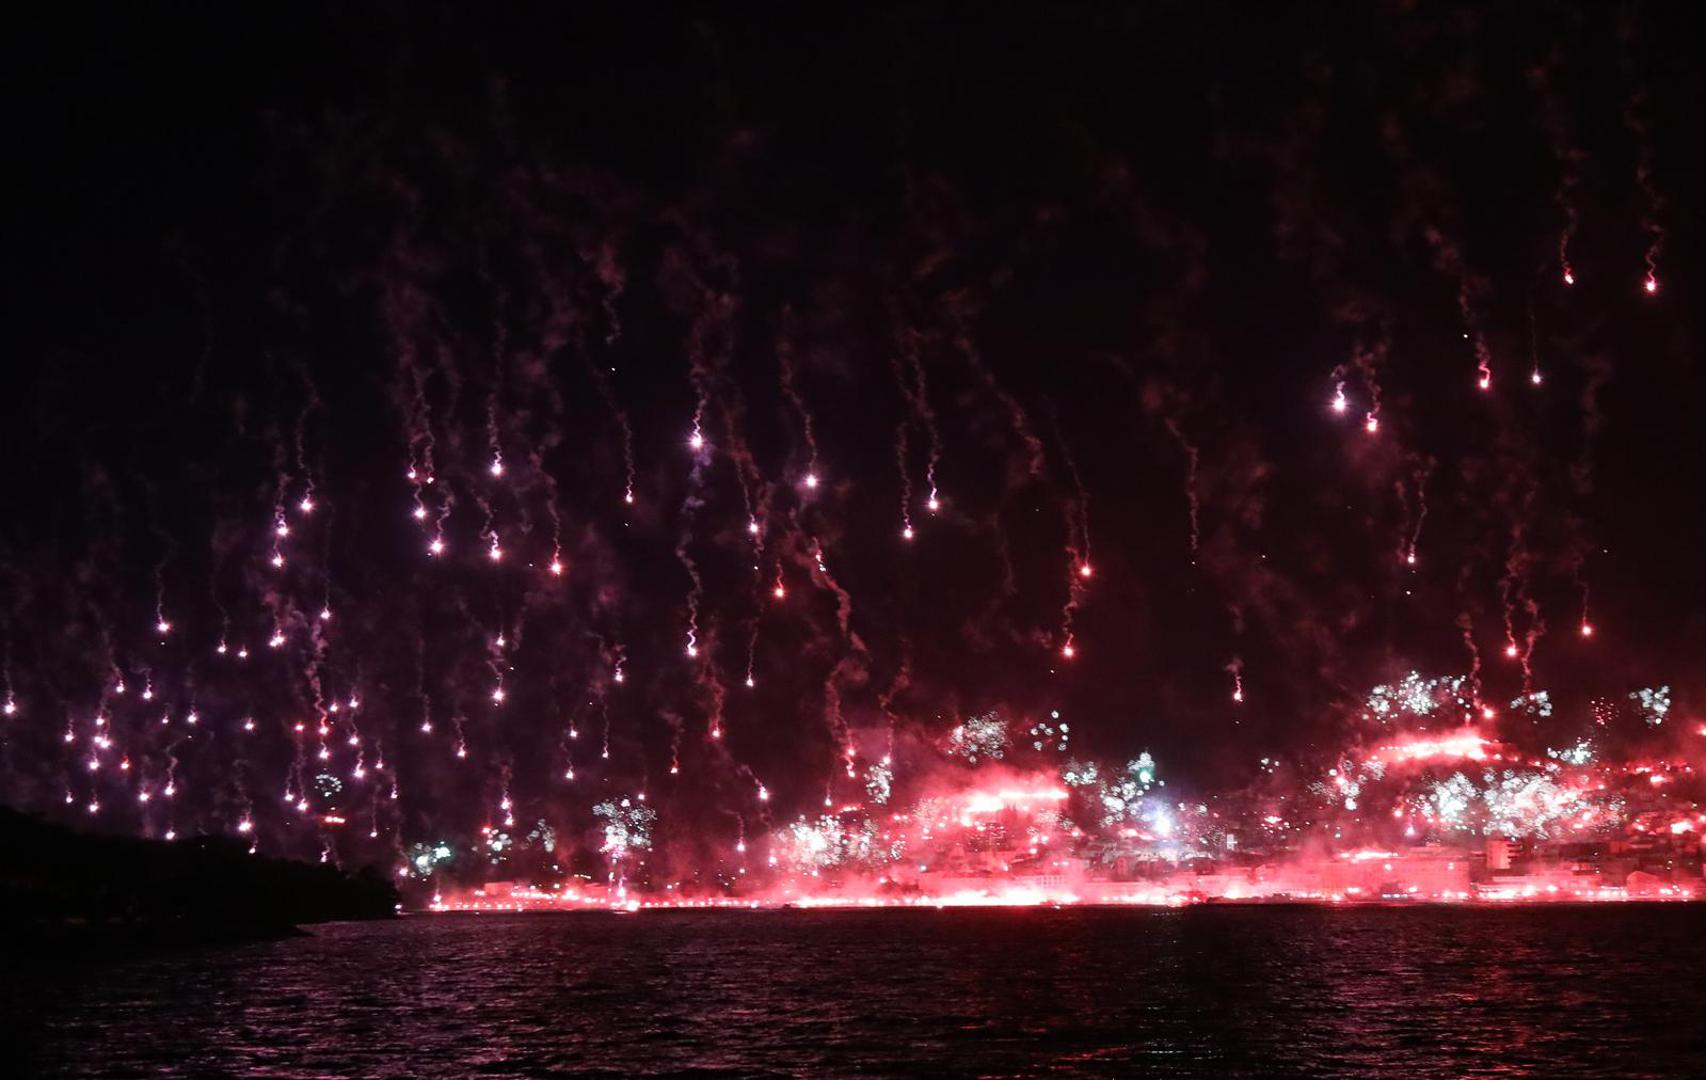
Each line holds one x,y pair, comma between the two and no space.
1514,591
8,696
310,405
905,479
709,341
1555,123
1466,624
1535,376
610,275
613,280
1415,511
167,550
1449,261
1428,210
1235,668
601,379
852,666
1637,119
1192,460
1597,368
1514,594
909,376
1368,360
1075,510
757,498
791,391
898,685
407,315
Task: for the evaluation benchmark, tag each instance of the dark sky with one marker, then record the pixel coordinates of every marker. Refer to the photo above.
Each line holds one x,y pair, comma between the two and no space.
1112,238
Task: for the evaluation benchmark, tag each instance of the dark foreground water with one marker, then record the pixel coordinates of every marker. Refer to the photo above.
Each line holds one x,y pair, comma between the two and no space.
1258,991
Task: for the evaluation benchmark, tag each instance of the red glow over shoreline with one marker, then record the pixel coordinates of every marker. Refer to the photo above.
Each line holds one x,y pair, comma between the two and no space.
540,901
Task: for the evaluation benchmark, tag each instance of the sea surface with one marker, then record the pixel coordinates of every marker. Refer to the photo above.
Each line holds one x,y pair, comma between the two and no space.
1608,990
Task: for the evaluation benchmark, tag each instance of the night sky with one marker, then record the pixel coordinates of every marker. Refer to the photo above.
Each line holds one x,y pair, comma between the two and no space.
1098,270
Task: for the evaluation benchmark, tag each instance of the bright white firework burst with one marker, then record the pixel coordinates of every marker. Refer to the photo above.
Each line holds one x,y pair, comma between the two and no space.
1414,695
424,859
811,846
1051,734
1537,704
879,782
982,738
1121,798
1655,703
627,827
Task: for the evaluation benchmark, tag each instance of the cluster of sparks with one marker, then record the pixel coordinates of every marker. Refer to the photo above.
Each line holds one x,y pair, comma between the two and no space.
1416,813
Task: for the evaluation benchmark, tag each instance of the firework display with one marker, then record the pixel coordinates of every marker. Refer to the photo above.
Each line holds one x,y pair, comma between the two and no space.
555,526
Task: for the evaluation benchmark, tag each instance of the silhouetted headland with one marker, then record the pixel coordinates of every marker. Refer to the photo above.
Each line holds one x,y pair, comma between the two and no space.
59,885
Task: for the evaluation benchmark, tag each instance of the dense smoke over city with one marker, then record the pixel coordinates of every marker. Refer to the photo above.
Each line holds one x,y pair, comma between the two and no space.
1272,453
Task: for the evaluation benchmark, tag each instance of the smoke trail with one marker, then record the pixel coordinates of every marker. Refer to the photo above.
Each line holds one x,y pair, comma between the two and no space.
1568,155
909,376
900,460
1075,512
1411,533
1637,119
962,313
790,390
1428,208
1192,461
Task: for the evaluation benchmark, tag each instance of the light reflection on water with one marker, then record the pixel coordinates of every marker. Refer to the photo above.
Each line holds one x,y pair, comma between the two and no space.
1259,991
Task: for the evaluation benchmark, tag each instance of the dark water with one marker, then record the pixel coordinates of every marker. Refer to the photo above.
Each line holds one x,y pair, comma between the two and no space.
1610,990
